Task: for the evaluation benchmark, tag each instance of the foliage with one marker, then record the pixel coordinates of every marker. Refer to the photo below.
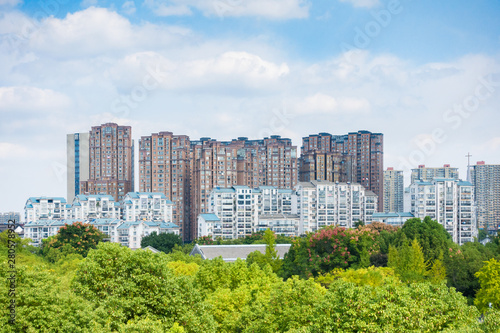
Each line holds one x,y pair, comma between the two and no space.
432,237
131,284
73,238
329,248
254,238
164,242
489,278
183,268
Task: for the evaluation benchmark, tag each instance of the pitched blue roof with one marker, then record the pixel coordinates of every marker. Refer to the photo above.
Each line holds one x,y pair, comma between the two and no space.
210,217
37,199
168,225
99,197
464,183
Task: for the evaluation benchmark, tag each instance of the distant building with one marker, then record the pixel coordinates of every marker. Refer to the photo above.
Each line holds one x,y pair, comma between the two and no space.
359,158
77,163
40,208
322,204
394,219
111,158
427,174
486,181
6,217
393,190
448,201
280,224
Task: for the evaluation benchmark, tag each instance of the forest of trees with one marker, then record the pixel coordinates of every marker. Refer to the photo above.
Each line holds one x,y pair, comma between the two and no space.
373,278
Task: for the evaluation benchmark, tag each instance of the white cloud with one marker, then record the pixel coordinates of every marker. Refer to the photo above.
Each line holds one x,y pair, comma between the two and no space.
323,103
31,99
12,150
128,7
270,9
9,3
363,3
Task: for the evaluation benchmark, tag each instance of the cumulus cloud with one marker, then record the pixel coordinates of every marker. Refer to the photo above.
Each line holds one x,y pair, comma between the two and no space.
270,9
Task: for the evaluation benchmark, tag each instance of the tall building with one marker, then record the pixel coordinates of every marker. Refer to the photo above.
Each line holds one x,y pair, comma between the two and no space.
364,159
164,167
448,201
187,171
14,216
427,174
393,191
321,203
77,163
486,181
111,161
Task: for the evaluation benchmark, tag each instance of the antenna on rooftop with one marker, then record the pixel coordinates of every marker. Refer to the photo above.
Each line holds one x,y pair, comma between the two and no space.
468,166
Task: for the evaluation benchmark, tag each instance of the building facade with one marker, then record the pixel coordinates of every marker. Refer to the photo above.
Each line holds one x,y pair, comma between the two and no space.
77,163
45,208
448,201
94,206
146,206
321,204
486,181
186,171
362,153
111,161
393,190
427,174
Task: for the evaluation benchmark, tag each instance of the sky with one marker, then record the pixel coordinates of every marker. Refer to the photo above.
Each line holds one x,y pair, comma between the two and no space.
424,73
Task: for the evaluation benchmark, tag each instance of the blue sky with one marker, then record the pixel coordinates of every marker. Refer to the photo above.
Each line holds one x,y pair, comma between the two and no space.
424,73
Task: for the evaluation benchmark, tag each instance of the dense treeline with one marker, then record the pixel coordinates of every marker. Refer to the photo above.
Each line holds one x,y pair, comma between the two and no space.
374,278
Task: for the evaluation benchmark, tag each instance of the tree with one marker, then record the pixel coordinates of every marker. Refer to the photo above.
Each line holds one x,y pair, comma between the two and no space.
81,237
432,237
164,242
489,277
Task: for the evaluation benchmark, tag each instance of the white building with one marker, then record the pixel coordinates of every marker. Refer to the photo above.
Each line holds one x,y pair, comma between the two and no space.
448,201
280,224
130,234
210,225
94,206
322,203
146,206
40,208
394,219
239,209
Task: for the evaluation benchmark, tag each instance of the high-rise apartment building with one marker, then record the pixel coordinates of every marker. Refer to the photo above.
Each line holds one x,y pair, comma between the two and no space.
364,159
393,191
165,167
321,203
77,163
427,174
486,181
448,201
189,170
111,158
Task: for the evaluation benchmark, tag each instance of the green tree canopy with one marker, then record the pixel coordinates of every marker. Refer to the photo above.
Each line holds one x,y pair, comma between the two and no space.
78,237
164,242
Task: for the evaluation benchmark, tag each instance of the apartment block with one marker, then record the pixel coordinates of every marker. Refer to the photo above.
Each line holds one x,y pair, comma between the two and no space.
486,181
362,153
111,161
50,208
146,206
95,206
239,210
165,167
427,174
186,171
77,163
393,190
322,203
448,201
130,234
